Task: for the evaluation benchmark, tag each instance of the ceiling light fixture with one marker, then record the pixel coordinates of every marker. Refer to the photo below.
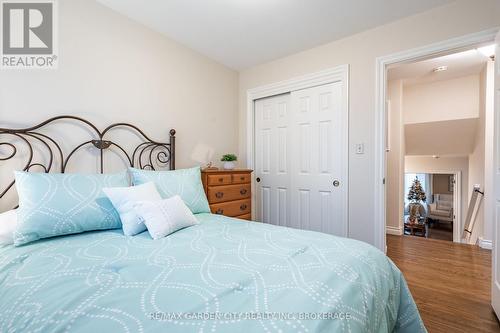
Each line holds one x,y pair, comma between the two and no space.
488,50
440,69
435,156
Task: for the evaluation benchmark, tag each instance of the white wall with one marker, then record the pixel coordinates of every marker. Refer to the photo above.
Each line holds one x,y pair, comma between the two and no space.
360,51
441,117
443,138
113,69
442,100
427,164
395,156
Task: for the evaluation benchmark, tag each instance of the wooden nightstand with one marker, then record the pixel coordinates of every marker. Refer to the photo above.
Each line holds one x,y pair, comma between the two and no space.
229,192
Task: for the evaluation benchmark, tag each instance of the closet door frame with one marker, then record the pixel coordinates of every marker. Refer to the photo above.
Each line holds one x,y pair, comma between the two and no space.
332,75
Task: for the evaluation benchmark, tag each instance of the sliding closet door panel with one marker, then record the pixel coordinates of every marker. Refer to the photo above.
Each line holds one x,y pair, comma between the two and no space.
300,150
272,164
316,203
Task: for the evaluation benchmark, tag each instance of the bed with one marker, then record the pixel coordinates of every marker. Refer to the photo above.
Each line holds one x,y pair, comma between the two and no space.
222,275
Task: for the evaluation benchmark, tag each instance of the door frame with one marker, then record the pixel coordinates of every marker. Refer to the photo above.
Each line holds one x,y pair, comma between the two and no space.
381,64
332,75
457,199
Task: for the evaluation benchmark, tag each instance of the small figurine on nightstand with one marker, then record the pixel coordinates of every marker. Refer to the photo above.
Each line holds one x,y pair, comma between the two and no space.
210,167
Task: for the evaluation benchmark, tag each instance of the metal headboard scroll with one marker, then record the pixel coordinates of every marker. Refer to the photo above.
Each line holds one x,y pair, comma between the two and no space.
149,154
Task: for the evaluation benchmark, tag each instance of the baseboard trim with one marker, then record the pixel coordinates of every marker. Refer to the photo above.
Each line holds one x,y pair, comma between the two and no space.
485,243
393,230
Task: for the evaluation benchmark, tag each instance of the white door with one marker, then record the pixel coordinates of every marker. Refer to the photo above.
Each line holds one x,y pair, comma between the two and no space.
272,159
301,156
495,290
317,158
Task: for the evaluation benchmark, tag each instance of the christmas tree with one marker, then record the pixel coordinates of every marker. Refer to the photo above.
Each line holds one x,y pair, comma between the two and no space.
416,193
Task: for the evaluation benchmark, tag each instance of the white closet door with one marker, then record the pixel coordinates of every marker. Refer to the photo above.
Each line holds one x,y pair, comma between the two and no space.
272,118
300,156
317,182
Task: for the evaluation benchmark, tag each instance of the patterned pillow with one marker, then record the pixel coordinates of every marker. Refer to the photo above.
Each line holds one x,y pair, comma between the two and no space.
185,183
60,204
163,217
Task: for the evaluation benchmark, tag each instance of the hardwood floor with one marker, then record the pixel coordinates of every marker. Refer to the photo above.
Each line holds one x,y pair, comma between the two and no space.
450,283
440,230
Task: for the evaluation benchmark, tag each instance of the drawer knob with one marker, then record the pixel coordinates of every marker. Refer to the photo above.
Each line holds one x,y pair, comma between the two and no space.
221,180
257,180
242,178
219,195
219,211
243,207
243,191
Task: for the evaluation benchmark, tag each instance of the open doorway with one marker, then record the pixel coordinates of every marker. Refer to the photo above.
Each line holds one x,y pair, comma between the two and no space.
437,125
459,264
432,201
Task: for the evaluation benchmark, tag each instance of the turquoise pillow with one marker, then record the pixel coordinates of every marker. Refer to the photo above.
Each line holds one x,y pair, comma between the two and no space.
60,204
185,183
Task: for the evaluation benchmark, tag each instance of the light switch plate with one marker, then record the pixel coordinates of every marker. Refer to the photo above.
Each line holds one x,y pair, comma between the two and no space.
360,148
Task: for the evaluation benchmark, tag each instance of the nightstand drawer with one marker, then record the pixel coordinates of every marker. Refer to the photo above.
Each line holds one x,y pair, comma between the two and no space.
245,217
228,192
219,179
232,208
241,178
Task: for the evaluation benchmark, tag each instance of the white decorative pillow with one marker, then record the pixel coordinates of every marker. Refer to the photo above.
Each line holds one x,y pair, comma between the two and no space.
124,198
164,217
8,221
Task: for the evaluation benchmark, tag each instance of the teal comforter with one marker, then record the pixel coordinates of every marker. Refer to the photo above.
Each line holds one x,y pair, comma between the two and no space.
223,275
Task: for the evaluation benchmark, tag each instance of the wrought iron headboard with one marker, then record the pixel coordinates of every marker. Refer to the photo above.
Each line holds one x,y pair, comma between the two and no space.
144,156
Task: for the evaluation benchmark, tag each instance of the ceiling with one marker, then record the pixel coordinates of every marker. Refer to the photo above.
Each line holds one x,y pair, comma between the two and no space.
442,138
459,64
244,33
